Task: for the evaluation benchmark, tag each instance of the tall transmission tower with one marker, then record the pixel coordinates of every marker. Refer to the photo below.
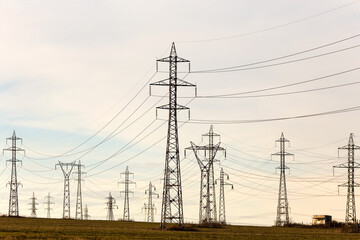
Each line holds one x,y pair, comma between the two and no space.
172,204
150,207
222,216
33,206
66,169
79,208
126,182
86,213
110,206
207,207
48,203
350,216
14,184
282,217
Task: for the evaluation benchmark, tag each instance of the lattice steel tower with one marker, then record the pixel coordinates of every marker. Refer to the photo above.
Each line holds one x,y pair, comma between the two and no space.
33,206
66,169
222,216
282,217
126,182
86,213
14,184
172,205
79,208
110,206
48,204
350,216
150,207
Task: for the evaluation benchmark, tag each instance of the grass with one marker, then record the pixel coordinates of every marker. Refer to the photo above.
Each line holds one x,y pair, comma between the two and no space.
37,228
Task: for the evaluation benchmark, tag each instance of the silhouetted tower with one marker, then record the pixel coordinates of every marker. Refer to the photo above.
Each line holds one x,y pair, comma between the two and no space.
172,205
66,169
207,208
110,206
126,182
14,184
79,209
222,216
150,207
33,206
48,203
282,217
350,216
86,213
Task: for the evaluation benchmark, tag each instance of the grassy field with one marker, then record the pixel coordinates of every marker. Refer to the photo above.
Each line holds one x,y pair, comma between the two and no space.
37,228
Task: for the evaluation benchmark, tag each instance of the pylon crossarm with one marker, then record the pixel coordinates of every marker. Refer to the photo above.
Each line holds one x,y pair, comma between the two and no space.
343,165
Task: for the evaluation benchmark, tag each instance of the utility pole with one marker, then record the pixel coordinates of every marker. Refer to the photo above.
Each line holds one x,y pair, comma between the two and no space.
350,216
172,204
79,209
126,182
222,216
110,206
86,213
48,204
66,169
282,217
33,206
207,208
150,207
14,184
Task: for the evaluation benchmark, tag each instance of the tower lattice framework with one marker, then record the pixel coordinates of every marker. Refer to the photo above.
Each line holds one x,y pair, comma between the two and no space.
14,184
48,203
150,207
126,182
79,208
110,207
33,206
282,216
66,169
222,183
86,213
350,216
172,204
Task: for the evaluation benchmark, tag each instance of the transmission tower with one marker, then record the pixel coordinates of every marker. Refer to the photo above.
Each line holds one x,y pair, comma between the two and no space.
14,184
48,204
207,208
126,182
79,209
222,216
86,213
110,206
350,216
33,206
66,169
282,217
172,205
150,207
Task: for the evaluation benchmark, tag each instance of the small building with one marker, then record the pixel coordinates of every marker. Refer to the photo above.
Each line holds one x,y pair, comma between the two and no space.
321,219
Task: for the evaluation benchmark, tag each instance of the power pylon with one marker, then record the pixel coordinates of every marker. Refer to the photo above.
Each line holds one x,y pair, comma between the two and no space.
350,216
14,184
150,207
110,206
48,204
86,213
33,206
126,182
66,169
172,204
222,216
282,217
207,207
79,209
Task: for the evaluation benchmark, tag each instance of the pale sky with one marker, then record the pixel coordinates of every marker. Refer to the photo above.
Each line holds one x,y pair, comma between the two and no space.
67,68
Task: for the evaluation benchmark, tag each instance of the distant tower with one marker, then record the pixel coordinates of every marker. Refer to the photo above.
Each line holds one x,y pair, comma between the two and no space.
48,203
282,217
79,209
172,204
33,206
66,169
350,216
126,182
14,184
150,207
110,206
86,213
222,216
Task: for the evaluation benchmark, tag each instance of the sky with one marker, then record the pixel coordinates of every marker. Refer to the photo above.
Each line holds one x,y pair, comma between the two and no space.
74,79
